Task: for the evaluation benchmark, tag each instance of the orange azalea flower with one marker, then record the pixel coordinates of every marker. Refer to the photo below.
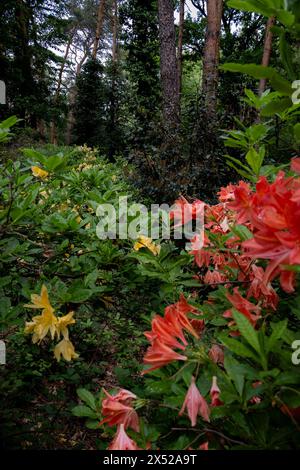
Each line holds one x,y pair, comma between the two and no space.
122,441
195,404
215,393
178,313
251,311
183,212
159,355
117,409
204,446
275,213
262,291
166,332
295,165
241,205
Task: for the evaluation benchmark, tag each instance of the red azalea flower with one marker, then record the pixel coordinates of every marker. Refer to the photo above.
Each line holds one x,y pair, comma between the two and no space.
117,410
122,441
195,404
183,212
159,355
251,311
215,393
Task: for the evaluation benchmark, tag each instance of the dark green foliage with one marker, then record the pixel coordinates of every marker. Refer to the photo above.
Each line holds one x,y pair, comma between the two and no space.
90,111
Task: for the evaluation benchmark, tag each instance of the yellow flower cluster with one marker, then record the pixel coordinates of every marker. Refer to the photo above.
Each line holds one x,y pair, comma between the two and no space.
47,322
145,242
39,173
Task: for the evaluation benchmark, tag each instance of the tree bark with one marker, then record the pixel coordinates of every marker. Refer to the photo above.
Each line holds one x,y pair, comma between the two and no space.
211,56
267,52
180,44
168,65
53,129
99,28
72,98
115,32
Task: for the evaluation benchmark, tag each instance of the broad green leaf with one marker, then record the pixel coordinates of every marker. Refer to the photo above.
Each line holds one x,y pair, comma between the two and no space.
87,397
277,333
297,132
276,107
235,346
279,83
234,372
246,330
83,411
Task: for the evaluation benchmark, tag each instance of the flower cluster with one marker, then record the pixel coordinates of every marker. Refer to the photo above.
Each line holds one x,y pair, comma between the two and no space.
48,322
167,334
118,410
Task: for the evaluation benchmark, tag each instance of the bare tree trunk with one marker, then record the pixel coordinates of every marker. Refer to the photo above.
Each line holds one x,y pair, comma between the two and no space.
168,65
72,98
211,56
100,20
53,130
267,52
180,44
115,32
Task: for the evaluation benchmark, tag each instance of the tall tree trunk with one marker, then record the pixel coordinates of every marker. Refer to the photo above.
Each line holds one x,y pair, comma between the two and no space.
23,58
168,65
99,28
211,56
72,98
180,44
267,52
115,32
113,91
53,129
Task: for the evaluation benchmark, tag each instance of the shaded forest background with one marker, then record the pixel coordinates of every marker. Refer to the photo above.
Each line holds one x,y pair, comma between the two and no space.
123,77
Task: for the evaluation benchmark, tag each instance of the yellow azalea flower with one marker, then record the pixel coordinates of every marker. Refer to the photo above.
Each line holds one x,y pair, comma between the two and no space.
38,172
66,349
41,325
145,242
63,323
41,301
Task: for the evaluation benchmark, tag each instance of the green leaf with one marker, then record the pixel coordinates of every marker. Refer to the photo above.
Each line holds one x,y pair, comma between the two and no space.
278,332
238,348
242,232
248,176
233,370
287,56
276,107
84,412
256,6
279,83
87,397
92,424
297,132
246,330
255,159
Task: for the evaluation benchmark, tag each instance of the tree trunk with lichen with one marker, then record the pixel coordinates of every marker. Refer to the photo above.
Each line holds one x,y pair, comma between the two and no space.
168,65
180,44
211,56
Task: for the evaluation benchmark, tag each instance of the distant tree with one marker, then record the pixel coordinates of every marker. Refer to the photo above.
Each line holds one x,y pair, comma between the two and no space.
267,51
90,106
